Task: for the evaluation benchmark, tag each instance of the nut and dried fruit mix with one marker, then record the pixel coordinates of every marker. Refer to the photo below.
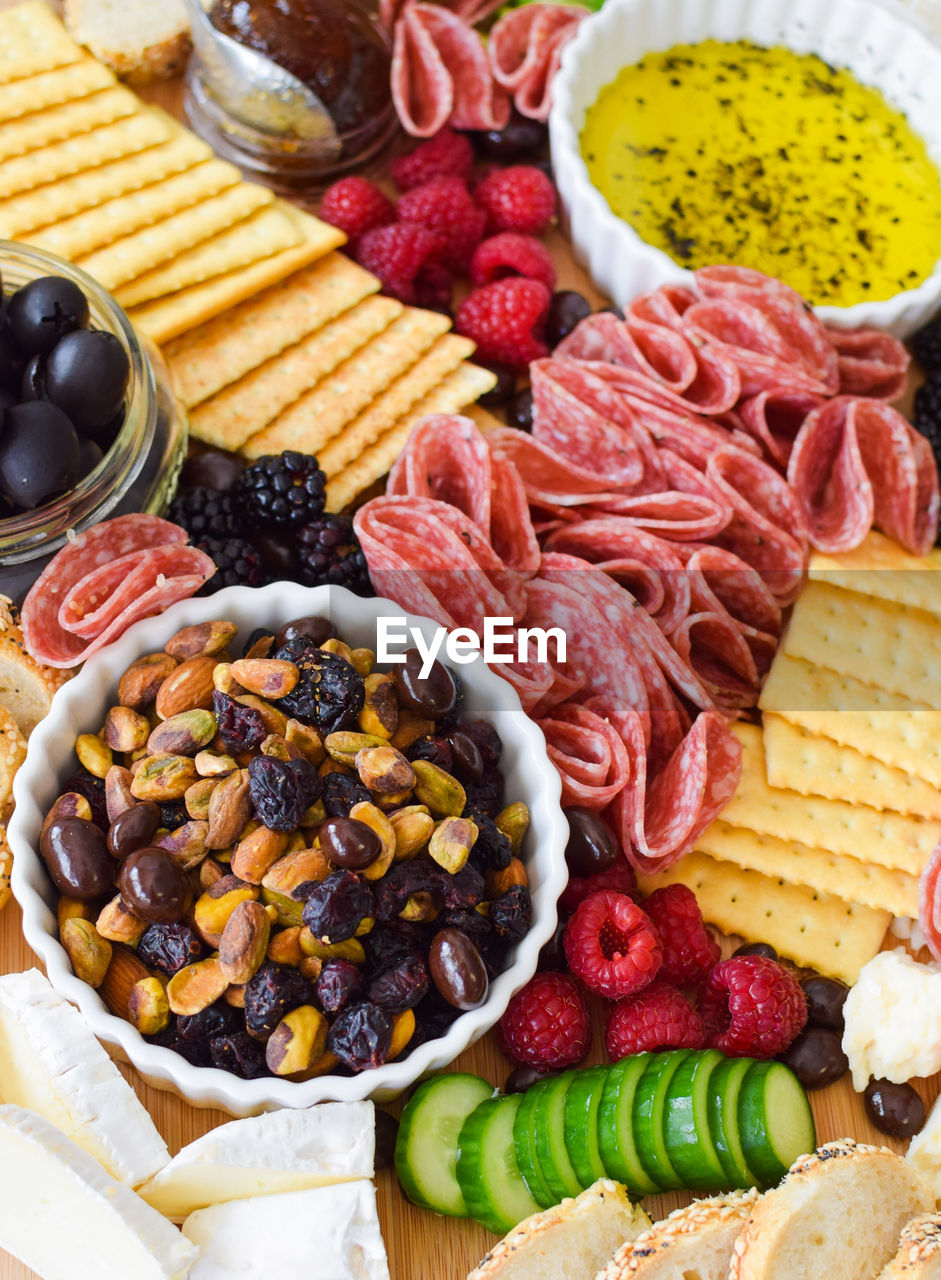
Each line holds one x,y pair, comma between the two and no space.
287,862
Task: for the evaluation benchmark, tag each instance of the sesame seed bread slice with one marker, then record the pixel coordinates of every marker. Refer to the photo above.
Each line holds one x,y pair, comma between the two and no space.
568,1242
140,40
919,1253
12,755
838,1213
696,1240
26,688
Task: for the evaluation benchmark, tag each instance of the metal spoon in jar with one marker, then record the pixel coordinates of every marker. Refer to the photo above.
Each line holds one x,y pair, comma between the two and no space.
256,90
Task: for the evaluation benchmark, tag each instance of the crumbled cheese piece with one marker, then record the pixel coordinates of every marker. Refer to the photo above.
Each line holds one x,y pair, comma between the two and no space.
893,1020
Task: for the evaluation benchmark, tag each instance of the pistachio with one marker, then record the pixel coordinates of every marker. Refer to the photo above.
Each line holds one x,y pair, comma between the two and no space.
186,844
196,986
342,650
230,807
451,843
284,947
261,647
209,764
307,739
210,873
332,766
311,967
314,815
197,797
366,925
351,949
118,795
163,777
93,755
72,909
297,1041
344,746
235,996
499,882
297,843
362,660
410,728
420,907
275,721
125,729
290,912
124,970
214,907
183,734
138,687
186,688
257,853
394,800
384,769
89,952
412,827
118,923
203,639
513,821
295,869
403,1028
69,805
442,794
280,749
268,677
380,713
148,1006
377,821
224,681
244,942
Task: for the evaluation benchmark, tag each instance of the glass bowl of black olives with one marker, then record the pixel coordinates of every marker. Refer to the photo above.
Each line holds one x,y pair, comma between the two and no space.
89,427
271,868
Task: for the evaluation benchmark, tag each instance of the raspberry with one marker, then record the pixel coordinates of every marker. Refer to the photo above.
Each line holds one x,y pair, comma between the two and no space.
507,321
520,198
445,155
752,1007
611,945
356,206
512,254
546,1024
660,1017
619,878
445,205
400,255
689,949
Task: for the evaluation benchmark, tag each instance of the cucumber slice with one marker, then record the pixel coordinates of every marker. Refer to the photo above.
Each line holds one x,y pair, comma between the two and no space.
489,1176
524,1139
426,1145
581,1124
690,1149
776,1123
549,1138
649,1107
724,1090
615,1127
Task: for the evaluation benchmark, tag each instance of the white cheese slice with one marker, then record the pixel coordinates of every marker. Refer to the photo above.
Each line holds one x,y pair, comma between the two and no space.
924,1151
331,1233
51,1063
275,1152
64,1217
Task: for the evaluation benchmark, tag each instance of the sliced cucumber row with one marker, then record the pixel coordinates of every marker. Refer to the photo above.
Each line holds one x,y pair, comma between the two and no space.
656,1122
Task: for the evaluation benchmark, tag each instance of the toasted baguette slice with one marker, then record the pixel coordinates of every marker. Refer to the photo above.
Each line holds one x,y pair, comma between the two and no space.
140,40
919,1255
838,1213
12,755
697,1240
26,688
569,1242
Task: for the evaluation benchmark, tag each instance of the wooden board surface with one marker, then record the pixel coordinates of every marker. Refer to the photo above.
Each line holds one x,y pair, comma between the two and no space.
422,1246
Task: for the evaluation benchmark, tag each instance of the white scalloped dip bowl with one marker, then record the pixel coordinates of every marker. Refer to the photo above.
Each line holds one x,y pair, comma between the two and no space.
79,707
882,46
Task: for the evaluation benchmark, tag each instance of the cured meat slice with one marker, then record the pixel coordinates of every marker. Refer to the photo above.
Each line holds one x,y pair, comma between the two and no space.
736,586
550,480
636,386
774,417
672,514
657,353
664,306
512,535
749,336
856,463
525,49
446,458
711,645
929,903
100,597
870,362
589,754
472,11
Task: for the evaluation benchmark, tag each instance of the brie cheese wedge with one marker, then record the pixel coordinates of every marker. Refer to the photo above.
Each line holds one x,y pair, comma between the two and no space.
51,1063
328,1232
64,1217
278,1151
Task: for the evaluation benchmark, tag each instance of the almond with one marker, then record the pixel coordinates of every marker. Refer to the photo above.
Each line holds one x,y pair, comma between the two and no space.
187,688
124,970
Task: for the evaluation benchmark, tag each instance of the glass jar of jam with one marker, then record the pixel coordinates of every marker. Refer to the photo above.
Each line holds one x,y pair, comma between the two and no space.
338,50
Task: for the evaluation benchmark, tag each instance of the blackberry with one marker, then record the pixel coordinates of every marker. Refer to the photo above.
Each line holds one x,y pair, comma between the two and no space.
203,513
926,344
283,489
928,412
328,553
237,562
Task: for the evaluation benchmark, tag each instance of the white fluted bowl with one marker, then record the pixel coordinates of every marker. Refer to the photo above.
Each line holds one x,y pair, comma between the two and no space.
880,44
80,707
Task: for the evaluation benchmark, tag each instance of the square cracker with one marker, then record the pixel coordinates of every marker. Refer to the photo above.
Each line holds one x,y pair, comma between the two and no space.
458,389
48,89
239,410
819,930
32,40
881,568
848,878
889,839
82,234
323,412
41,128
798,760
168,317
68,196
220,352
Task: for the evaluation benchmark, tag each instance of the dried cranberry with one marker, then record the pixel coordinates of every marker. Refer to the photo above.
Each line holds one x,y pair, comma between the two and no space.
240,728
329,693
168,947
402,987
282,790
403,879
216,1020
340,792
240,1054
492,849
486,739
477,927
194,1051
512,913
433,1017
360,1036
389,942
486,792
435,749
275,990
173,814
337,906
93,789
338,981
463,890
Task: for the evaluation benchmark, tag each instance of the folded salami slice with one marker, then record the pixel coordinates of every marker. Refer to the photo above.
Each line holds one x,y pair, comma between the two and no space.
103,595
714,648
663,355
525,48
673,514
929,903
870,362
446,458
472,11
749,336
774,417
637,385
550,480
589,754
735,586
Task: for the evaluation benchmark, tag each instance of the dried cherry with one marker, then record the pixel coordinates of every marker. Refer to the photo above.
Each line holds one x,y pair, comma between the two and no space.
168,947
435,749
486,792
337,906
402,987
240,728
492,849
330,692
93,789
275,990
240,1054
388,943
360,1036
217,1019
340,792
511,914
486,739
173,814
282,790
339,980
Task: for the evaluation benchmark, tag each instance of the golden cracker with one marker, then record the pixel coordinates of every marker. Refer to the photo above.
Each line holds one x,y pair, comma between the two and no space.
849,878
818,930
318,416
50,88
892,840
224,350
44,127
881,568
239,410
81,235
69,196
794,686
797,760
457,390
33,40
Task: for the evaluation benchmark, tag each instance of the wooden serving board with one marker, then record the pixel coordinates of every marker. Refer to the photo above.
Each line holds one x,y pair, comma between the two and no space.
422,1246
